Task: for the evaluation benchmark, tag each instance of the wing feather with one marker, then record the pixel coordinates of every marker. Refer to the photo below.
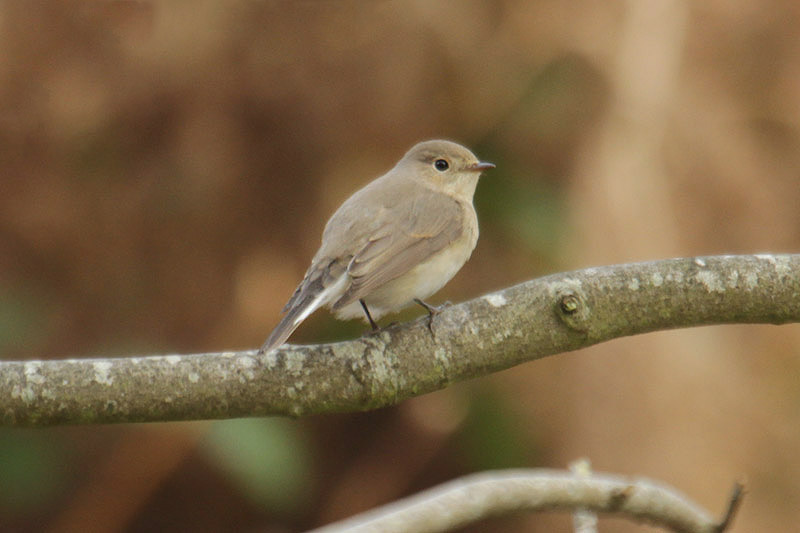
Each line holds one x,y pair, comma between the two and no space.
427,225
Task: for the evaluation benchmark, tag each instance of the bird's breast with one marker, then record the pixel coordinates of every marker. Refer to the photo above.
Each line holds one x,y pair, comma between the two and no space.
428,277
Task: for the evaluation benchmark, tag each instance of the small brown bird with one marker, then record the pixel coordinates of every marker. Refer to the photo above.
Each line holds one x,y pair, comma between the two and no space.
398,240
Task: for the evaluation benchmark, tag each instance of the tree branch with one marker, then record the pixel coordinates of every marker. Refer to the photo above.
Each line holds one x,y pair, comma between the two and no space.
583,520
545,316
475,497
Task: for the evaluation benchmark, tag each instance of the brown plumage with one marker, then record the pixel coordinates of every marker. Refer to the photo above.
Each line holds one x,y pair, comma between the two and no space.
400,238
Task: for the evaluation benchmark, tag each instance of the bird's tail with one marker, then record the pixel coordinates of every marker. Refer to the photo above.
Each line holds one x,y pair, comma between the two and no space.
308,297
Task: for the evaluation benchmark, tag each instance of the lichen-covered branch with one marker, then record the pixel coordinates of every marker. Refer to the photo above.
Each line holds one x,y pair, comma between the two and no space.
545,316
475,497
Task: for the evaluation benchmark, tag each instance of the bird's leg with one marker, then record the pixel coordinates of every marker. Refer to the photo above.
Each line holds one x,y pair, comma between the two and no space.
369,316
433,310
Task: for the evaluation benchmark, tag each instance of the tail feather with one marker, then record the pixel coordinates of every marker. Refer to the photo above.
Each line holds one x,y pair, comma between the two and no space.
291,320
309,297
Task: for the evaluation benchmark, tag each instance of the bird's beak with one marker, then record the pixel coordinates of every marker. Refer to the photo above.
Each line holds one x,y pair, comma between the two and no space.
480,166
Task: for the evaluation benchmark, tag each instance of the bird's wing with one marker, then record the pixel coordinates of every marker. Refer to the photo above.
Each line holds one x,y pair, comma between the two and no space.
355,223
377,235
416,228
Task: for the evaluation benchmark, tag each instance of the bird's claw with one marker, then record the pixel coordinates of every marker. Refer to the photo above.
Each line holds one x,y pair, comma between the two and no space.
433,310
380,329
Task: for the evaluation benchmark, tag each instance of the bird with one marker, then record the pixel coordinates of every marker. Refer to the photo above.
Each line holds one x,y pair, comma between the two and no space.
396,241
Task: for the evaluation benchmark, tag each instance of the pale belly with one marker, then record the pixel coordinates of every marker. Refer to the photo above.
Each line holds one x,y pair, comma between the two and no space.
420,282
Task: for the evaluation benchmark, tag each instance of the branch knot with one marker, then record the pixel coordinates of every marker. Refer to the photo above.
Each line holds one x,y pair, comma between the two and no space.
571,306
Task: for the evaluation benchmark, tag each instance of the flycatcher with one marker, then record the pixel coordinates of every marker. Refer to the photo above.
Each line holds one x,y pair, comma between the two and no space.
396,241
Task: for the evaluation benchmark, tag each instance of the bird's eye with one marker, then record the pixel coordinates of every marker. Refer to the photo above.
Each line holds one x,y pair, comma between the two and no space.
441,165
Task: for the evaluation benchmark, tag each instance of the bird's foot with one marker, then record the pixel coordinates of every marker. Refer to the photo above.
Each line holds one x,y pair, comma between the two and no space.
433,310
379,329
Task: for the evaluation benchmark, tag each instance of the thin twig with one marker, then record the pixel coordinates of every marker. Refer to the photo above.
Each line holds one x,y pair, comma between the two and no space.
735,500
583,520
472,498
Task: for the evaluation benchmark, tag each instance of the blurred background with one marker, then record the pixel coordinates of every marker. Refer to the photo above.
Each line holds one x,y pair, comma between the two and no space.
167,169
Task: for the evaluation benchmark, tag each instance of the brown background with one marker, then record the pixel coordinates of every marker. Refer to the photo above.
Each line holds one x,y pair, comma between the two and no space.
166,171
